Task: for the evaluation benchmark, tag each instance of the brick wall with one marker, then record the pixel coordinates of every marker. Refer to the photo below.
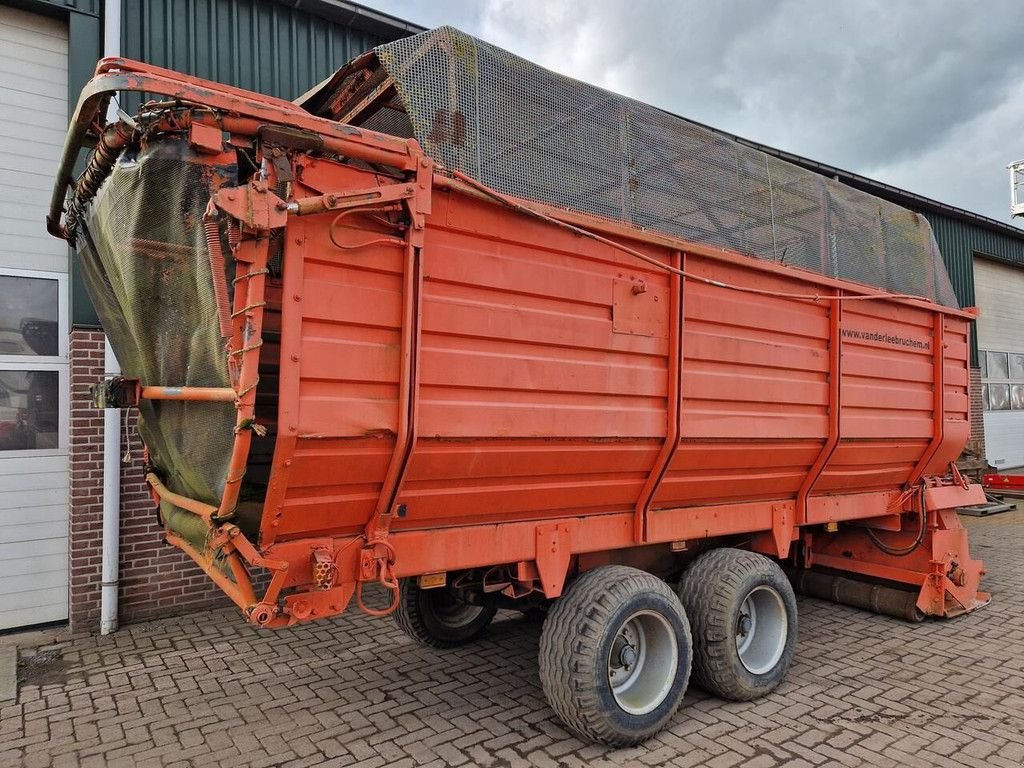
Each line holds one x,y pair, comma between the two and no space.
86,454
977,439
155,578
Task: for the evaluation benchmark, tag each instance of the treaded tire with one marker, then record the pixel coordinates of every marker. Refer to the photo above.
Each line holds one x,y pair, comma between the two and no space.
434,617
712,590
577,642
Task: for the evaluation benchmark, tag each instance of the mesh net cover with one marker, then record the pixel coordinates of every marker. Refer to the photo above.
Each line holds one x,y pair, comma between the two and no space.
145,265
537,135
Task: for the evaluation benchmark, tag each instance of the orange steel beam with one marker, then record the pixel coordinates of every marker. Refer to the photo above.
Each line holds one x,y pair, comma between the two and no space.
418,204
215,394
835,341
356,142
288,378
408,397
205,511
674,409
866,568
938,400
241,594
247,338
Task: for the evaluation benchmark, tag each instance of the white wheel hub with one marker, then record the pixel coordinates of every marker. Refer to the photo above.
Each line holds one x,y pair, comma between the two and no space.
642,662
762,629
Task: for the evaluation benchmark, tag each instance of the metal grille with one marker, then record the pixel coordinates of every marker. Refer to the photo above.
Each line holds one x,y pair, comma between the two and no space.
145,264
534,134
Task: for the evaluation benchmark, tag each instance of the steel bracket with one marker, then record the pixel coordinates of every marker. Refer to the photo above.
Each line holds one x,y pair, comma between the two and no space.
115,392
254,206
554,553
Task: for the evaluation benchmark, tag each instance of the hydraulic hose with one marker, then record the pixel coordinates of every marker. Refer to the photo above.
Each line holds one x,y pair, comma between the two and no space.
903,551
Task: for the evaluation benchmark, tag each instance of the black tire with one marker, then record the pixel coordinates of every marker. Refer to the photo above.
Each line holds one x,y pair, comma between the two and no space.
713,590
582,630
438,618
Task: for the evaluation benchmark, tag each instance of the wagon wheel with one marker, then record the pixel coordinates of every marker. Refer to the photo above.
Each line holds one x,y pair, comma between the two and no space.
438,618
615,655
743,613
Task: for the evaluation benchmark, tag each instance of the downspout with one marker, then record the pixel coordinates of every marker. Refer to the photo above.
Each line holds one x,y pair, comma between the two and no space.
111,502
111,416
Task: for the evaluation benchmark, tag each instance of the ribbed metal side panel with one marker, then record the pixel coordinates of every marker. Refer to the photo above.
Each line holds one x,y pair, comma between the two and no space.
959,241
261,46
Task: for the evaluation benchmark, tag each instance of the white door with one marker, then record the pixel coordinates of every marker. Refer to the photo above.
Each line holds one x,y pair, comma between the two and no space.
34,387
999,293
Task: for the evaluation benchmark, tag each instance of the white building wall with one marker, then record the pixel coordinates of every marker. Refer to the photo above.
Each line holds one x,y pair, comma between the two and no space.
999,294
33,324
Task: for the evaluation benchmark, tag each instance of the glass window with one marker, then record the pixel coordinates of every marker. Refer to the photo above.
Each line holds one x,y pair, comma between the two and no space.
999,397
998,367
983,360
28,316
1017,397
1017,366
33,361
984,398
29,410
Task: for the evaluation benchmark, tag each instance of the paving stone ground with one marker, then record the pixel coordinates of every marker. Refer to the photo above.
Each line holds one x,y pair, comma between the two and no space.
208,690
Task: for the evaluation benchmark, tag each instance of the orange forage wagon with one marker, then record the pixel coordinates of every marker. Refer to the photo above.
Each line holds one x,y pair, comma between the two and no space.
460,329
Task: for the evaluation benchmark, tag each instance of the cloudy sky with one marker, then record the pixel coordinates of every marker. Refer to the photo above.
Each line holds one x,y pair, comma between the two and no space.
924,94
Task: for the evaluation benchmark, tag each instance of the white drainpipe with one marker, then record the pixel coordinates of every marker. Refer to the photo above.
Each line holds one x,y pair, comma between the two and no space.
111,502
111,417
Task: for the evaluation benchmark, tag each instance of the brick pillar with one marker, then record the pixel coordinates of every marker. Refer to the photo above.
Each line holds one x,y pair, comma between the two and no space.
977,439
86,483
155,579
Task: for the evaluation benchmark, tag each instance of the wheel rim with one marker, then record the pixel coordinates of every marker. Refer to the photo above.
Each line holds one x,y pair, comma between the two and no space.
452,612
642,662
761,630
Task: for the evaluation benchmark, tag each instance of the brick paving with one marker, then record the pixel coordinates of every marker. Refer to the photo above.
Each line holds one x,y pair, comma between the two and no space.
207,690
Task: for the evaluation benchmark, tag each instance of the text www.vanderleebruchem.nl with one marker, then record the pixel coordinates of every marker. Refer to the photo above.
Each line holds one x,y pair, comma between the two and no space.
886,338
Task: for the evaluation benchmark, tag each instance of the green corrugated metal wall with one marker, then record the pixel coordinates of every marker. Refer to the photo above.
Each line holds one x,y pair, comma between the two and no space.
255,44
258,45
959,241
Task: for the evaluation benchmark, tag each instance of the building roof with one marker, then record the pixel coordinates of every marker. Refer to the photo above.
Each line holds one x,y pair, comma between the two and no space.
880,189
356,16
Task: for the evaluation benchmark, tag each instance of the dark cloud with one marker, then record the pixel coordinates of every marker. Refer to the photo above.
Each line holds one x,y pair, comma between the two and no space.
922,94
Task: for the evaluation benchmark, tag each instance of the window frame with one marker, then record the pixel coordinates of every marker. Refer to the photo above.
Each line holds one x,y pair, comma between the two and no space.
60,363
988,381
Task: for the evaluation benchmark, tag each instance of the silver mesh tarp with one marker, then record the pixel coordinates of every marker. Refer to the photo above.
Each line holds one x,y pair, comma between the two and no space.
534,134
144,262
